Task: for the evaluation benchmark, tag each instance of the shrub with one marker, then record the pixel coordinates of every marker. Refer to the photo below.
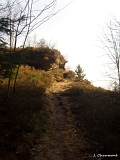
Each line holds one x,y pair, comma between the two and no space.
27,121
96,111
69,74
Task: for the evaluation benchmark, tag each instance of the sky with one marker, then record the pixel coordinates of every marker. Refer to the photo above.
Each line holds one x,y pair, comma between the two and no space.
76,31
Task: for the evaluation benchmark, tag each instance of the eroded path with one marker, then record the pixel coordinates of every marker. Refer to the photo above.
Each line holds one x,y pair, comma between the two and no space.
67,139
56,150
64,139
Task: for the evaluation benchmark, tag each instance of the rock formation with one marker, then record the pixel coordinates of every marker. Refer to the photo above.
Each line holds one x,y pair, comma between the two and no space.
45,58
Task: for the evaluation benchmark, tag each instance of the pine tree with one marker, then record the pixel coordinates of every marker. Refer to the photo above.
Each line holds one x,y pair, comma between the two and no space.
4,25
79,72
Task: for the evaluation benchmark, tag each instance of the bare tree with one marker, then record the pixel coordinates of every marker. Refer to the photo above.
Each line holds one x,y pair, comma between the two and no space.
13,9
111,45
31,16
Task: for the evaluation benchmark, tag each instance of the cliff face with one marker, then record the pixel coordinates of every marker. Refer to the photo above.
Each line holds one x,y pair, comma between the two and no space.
45,58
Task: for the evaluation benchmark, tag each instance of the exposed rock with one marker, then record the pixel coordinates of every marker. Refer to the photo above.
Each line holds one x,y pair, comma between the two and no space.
45,58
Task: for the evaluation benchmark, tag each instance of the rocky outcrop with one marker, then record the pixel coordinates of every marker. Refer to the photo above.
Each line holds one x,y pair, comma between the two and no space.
45,58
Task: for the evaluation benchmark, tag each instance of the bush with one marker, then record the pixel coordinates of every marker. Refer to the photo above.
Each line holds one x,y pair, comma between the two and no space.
29,75
23,127
69,74
96,111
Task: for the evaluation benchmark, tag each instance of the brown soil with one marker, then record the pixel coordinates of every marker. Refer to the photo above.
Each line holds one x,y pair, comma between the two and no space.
64,141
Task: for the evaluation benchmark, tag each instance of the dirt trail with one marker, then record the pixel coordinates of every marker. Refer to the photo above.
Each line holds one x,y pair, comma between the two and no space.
59,122
59,125
64,141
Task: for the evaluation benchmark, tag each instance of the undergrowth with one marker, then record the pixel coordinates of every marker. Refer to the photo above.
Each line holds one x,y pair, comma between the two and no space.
97,115
24,127
26,122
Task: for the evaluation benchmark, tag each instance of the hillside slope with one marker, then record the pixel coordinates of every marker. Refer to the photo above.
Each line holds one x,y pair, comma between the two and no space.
85,123
51,118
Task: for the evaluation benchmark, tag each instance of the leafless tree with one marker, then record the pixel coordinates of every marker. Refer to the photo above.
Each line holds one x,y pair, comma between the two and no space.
111,45
13,9
31,15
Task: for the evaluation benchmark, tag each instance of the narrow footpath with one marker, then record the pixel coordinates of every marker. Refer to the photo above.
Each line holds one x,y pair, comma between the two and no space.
64,144
64,141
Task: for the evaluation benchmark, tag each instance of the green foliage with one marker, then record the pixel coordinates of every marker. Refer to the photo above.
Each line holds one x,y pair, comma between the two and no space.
9,60
4,28
79,72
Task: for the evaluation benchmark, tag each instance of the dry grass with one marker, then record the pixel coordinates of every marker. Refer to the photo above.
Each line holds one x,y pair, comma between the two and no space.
23,129
26,123
96,112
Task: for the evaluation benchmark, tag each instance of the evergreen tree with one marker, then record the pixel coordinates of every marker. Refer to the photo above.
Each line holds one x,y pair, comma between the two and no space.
79,72
4,29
